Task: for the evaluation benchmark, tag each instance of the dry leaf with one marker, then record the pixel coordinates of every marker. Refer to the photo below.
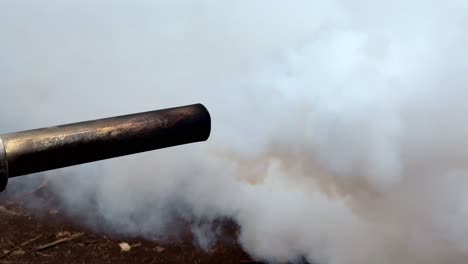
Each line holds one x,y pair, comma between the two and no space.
63,234
159,249
125,247
53,212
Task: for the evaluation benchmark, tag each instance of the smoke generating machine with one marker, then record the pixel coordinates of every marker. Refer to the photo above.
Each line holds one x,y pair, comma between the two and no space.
44,149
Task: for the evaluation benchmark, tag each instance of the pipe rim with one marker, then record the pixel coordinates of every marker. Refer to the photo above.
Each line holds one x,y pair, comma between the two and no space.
3,167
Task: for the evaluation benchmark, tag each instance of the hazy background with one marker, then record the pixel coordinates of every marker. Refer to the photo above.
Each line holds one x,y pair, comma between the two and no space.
339,127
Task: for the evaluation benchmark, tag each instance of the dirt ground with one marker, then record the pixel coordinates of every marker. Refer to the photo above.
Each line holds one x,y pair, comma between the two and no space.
53,238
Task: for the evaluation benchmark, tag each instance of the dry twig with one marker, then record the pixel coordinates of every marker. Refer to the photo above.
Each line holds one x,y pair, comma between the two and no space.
136,245
3,210
59,241
20,246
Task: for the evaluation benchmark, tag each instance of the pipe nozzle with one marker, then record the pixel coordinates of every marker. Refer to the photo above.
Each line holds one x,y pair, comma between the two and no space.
50,148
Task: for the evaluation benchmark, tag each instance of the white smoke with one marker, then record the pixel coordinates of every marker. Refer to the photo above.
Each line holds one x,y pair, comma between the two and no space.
338,126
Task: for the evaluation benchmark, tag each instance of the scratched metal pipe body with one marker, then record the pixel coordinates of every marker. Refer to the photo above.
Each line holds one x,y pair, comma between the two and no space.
51,148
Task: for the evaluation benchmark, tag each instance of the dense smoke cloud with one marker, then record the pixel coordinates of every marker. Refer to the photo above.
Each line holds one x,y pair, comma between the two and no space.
339,127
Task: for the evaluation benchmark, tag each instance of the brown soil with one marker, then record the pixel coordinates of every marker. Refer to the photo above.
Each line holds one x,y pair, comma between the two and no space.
18,226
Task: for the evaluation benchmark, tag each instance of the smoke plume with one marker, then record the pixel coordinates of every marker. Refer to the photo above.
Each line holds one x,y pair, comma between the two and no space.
338,126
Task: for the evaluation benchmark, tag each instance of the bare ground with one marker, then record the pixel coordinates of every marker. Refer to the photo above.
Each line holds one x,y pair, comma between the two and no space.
52,237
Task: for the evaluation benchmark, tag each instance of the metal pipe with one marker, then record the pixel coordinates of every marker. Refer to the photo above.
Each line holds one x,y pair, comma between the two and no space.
51,148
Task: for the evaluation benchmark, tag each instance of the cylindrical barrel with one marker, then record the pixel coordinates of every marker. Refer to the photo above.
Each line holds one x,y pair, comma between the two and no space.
50,148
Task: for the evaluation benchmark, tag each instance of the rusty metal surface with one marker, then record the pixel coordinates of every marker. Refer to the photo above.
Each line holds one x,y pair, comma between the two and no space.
3,167
67,145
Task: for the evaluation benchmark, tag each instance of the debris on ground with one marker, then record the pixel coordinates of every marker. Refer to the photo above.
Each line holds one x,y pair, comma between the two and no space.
159,249
63,234
125,247
30,236
4,210
53,212
59,241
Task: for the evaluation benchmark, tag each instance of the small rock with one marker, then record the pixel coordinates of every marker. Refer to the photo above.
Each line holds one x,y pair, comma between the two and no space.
159,249
125,247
